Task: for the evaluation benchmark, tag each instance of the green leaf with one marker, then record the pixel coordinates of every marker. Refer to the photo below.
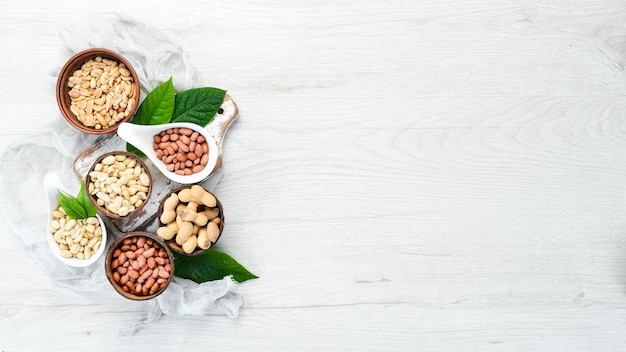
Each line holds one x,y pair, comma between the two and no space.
132,149
72,206
83,199
210,265
157,107
198,105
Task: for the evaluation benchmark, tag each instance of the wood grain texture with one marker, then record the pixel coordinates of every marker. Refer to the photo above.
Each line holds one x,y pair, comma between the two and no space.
432,175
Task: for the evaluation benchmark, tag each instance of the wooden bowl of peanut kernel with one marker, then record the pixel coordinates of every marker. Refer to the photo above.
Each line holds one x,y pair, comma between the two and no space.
119,183
96,90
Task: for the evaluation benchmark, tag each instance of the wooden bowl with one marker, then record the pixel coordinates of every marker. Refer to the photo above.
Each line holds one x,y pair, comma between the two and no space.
64,100
93,197
113,270
172,242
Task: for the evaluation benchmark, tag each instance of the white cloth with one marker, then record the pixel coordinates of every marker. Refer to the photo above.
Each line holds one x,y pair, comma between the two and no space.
155,57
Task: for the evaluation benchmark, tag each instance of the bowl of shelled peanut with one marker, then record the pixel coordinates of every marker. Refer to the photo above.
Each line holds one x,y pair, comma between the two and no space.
119,183
191,220
139,265
76,241
96,90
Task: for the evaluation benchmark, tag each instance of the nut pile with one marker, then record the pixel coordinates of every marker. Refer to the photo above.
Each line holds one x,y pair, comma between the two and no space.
140,266
182,150
76,238
192,217
119,183
102,93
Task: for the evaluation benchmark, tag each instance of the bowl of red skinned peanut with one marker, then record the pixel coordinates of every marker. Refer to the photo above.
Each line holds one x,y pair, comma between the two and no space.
96,90
139,265
184,152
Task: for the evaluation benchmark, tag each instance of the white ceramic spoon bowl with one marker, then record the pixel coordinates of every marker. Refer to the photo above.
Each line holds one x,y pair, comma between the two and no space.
51,185
142,137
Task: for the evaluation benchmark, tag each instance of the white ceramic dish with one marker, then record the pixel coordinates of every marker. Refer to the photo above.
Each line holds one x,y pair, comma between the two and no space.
52,185
142,137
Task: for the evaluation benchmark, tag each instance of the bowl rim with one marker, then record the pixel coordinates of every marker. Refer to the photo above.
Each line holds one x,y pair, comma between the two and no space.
93,199
77,60
109,272
172,243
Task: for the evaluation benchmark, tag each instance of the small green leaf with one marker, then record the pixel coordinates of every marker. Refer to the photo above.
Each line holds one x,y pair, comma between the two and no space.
210,265
72,206
198,105
132,149
83,199
157,107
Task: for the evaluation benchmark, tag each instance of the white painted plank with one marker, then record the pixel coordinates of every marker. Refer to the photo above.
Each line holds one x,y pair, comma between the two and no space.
433,175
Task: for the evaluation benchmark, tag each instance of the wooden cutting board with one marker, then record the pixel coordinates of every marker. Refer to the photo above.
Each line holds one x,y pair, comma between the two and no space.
162,186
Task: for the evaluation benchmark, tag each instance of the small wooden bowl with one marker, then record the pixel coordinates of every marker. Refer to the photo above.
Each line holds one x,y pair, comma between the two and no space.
157,244
172,243
62,89
94,199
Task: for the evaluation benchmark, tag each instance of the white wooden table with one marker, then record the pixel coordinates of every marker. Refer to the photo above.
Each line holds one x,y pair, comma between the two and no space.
403,175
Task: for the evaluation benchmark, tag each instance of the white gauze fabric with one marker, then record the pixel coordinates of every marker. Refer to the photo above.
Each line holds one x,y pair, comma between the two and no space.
155,57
